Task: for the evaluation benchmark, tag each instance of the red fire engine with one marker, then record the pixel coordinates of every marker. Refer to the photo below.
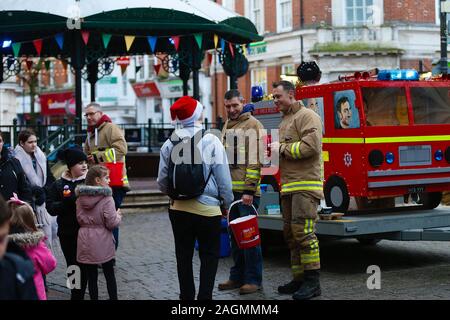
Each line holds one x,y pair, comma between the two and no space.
385,134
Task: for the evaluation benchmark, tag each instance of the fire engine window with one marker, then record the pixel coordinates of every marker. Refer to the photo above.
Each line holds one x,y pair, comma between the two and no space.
385,106
345,111
316,104
431,105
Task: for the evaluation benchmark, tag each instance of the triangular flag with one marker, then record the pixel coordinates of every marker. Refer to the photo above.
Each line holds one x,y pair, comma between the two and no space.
176,41
47,64
29,64
85,35
38,46
199,39
244,49
231,48
16,48
222,44
152,42
106,38
60,40
216,41
129,41
123,67
157,68
138,68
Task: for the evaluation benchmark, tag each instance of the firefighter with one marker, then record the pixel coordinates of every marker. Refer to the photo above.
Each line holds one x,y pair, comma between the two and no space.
246,274
300,148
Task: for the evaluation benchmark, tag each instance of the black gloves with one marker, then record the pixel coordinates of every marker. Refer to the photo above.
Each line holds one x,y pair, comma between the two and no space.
39,195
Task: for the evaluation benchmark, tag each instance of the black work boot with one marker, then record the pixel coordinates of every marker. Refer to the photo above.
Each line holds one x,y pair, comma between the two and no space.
291,287
310,287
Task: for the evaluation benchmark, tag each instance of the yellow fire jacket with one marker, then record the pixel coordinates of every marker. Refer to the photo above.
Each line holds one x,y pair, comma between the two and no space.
243,154
100,143
300,151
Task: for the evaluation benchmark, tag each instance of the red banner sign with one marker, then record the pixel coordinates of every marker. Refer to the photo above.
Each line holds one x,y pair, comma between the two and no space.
57,103
146,89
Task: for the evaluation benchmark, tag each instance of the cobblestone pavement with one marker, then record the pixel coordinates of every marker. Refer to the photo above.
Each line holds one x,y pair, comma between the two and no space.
146,267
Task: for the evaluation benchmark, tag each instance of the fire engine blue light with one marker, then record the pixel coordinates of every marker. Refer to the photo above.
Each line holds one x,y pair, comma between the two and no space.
390,158
6,43
257,93
438,155
404,74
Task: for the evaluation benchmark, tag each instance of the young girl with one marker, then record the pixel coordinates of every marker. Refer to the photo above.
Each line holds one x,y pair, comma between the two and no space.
27,236
97,216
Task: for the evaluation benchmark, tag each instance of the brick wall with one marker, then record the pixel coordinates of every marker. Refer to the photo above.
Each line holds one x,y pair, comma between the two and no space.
239,7
413,11
414,64
316,11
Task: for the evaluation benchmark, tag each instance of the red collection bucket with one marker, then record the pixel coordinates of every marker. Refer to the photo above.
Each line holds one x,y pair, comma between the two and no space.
115,172
245,229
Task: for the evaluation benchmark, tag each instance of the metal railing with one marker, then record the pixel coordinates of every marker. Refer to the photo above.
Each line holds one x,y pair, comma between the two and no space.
146,137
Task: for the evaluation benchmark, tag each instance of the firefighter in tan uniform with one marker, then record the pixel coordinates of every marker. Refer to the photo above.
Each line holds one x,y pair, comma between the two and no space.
241,139
300,149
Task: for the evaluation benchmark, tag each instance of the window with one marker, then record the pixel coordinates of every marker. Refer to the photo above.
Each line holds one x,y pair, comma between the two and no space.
288,69
385,106
259,78
284,15
256,14
229,4
359,12
431,105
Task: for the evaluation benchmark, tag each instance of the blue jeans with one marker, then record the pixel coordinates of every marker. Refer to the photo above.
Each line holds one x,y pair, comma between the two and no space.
247,267
118,194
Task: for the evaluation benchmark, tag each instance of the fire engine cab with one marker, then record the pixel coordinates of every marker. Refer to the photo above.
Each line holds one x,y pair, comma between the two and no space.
386,134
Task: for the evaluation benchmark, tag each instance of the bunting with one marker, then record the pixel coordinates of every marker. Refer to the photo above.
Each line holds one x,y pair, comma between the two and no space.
230,45
16,48
222,44
157,67
47,65
199,39
216,41
152,42
106,38
38,46
29,64
123,68
85,35
60,40
176,42
129,41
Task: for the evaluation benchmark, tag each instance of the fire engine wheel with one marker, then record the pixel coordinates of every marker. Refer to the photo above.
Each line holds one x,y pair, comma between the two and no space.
430,200
336,194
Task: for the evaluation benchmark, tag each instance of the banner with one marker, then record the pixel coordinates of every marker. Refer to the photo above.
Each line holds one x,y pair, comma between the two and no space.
57,103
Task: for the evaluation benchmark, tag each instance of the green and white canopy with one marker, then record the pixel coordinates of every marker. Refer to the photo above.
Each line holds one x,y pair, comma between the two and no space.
23,21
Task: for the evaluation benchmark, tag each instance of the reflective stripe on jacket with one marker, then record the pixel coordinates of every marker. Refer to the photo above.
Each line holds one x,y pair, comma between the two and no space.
300,151
243,155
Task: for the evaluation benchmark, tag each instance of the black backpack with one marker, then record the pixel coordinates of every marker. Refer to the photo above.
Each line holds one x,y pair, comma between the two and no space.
186,180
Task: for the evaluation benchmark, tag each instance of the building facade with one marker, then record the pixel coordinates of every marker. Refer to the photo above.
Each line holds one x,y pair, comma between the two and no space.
342,36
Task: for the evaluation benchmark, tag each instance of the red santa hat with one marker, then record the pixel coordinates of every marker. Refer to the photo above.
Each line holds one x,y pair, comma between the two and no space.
187,110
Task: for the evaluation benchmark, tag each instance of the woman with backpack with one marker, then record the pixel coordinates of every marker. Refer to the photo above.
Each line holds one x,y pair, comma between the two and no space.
200,190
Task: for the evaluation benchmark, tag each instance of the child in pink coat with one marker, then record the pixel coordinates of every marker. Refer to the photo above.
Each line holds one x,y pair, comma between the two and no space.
27,236
97,217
